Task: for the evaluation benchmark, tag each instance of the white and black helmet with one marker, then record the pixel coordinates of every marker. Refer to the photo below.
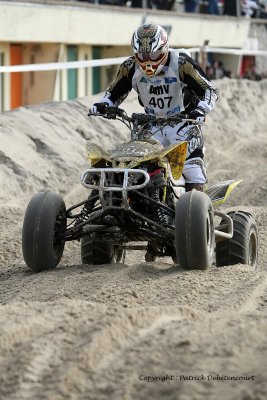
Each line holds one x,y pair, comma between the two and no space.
150,47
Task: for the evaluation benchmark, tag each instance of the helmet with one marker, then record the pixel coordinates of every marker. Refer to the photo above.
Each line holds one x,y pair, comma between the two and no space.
150,47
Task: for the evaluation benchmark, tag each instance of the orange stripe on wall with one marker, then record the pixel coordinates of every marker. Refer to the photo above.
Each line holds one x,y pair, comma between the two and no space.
16,77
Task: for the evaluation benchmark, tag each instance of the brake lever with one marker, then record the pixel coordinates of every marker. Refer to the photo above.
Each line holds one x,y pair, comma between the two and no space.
193,121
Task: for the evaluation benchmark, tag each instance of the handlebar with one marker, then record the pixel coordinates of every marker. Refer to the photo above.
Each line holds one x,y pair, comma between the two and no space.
138,119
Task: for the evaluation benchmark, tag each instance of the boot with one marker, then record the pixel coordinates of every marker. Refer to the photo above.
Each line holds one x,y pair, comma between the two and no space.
191,186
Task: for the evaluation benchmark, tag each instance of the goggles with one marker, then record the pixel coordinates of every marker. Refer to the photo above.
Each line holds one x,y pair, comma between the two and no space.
155,56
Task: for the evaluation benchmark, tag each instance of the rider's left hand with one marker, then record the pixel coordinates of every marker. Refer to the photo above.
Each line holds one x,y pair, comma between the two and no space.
198,114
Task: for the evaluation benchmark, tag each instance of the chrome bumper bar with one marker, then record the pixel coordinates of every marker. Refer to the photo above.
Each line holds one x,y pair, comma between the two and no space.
102,179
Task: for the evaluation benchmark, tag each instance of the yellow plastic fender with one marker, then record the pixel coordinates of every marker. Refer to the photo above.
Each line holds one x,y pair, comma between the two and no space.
174,153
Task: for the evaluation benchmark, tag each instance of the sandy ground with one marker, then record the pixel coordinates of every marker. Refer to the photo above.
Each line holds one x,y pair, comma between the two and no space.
135,330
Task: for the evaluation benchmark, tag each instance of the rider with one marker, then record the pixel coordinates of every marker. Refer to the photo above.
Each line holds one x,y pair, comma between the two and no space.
163,78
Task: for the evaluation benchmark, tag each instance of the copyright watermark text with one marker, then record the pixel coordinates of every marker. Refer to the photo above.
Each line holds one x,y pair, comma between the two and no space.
216,377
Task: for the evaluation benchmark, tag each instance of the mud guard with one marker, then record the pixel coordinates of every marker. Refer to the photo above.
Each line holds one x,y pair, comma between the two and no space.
219,192
175,154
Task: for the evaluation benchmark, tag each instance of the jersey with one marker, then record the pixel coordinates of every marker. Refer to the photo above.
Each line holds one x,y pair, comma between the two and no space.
163,94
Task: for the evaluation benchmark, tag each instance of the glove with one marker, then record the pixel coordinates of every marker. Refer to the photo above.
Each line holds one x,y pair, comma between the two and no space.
98,108
198,114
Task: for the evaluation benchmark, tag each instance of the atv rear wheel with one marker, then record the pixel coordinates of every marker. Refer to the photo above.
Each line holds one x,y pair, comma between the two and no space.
242,248
44,220
194,230
96,252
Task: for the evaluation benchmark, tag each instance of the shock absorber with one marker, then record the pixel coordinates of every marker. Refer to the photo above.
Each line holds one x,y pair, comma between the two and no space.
87,208
156,210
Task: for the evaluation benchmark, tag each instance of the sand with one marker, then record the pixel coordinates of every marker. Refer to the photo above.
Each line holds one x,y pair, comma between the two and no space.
135,330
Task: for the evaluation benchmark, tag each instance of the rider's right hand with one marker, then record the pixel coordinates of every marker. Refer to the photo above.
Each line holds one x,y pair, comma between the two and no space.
198,114
98,108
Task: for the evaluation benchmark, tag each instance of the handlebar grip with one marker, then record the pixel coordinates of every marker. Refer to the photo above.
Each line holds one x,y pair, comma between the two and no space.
114,112
143,118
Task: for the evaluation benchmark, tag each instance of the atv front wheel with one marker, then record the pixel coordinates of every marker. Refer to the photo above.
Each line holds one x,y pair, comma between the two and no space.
43,222
96,252
242,248
194,230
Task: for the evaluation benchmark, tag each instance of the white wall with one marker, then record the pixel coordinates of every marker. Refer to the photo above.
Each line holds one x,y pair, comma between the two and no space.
87,24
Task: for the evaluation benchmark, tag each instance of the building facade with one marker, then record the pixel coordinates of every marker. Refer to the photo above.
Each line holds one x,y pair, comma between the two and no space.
51,31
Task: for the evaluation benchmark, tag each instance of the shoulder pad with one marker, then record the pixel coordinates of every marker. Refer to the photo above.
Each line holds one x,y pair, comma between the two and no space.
184,58
129,62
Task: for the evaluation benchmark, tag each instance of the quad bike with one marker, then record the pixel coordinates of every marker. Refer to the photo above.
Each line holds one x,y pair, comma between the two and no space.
137,200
